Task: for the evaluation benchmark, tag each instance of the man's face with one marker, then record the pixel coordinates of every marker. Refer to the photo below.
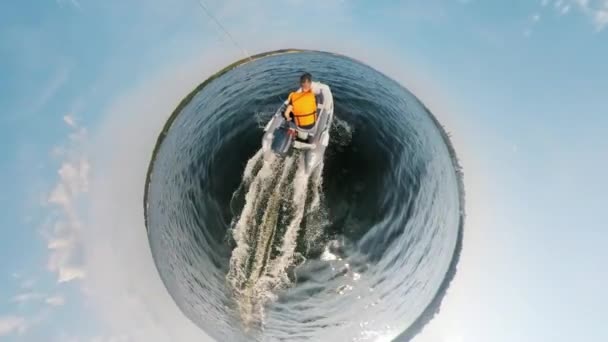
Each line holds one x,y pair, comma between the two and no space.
305,85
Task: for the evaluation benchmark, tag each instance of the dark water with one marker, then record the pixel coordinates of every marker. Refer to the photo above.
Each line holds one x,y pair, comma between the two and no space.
361,251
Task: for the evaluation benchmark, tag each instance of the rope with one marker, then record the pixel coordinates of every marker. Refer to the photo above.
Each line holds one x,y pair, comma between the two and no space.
224,30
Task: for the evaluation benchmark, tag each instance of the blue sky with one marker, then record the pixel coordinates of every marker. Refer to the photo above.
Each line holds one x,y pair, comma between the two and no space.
85,87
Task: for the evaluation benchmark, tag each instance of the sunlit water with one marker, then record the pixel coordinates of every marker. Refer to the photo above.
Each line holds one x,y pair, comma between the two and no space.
361,250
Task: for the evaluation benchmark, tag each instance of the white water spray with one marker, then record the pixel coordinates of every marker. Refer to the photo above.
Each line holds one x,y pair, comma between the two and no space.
278,196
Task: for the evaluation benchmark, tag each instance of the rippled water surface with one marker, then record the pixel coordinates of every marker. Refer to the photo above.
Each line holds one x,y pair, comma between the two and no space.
361,250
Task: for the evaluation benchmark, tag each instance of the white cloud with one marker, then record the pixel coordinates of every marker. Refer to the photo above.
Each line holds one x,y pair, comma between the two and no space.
63,240
75,176
601,17
596,10
69,120
12,324
60,196
59,243
27,297
69,273
55,300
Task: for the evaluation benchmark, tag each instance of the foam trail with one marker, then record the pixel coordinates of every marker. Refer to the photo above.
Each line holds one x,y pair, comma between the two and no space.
316,182
268,224
248,173
267,230
314,229
247,219
279,265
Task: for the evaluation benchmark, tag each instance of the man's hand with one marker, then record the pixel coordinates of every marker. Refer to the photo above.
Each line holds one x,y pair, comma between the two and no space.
287,112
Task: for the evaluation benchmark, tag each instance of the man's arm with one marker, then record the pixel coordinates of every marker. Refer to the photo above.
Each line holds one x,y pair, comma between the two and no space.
287,112
288,109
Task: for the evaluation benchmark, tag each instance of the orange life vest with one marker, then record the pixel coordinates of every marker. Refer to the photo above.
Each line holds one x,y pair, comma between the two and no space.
304,107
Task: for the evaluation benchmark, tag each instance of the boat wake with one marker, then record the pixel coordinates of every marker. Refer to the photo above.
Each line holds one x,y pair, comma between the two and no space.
280,222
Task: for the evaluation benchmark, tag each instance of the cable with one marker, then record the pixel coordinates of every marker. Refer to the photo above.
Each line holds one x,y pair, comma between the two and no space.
210,15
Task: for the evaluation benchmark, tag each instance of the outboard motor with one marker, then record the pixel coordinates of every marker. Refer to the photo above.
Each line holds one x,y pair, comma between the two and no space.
283,140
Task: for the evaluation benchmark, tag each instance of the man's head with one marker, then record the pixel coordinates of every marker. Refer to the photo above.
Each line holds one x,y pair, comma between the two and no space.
305,81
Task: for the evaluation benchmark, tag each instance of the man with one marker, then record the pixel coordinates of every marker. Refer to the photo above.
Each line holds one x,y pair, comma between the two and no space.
302,103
